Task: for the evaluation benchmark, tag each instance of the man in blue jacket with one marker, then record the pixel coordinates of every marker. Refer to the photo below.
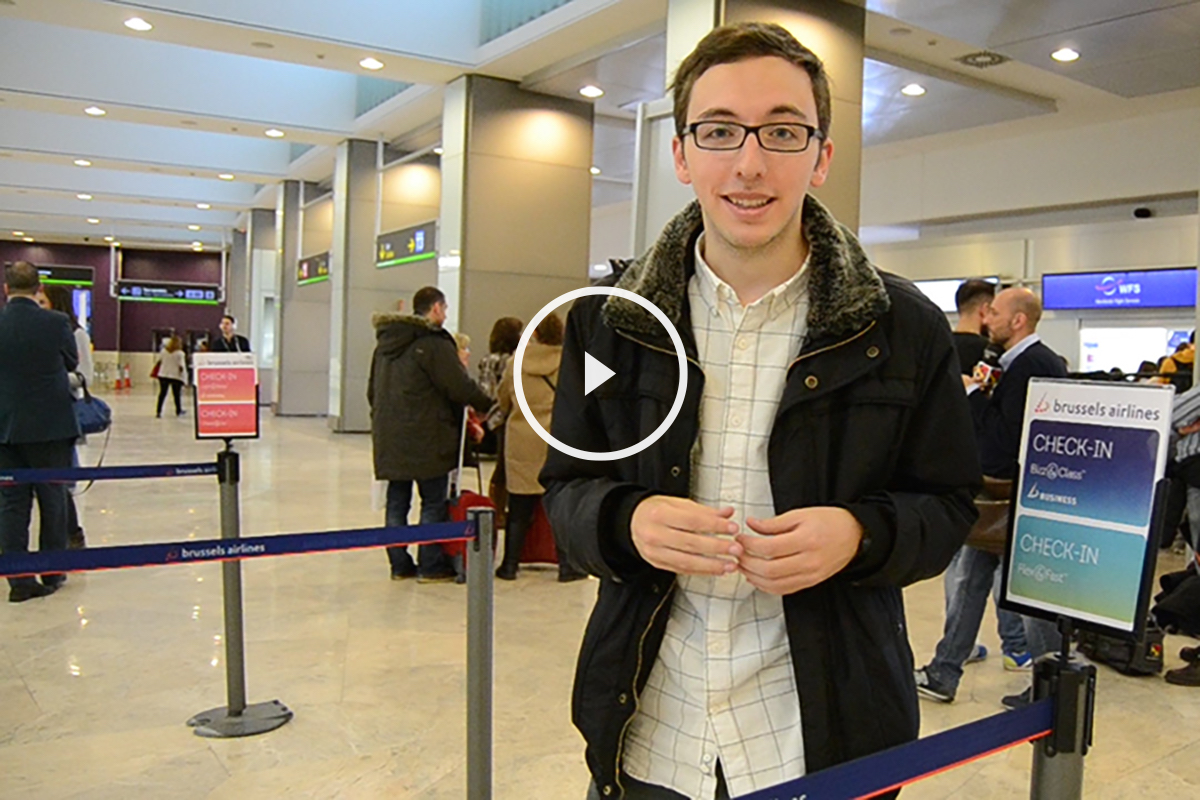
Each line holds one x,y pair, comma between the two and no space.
37,421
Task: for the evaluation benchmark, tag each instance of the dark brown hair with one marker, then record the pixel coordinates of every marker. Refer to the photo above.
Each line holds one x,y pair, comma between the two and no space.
60,300
426,298
506,335
732,43
21,276
550,330
973,292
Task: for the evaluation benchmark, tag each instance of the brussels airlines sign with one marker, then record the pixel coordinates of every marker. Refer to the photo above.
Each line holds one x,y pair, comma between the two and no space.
1160,288
1091,457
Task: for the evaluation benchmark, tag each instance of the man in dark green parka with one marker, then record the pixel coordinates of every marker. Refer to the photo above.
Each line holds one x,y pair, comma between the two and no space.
417,391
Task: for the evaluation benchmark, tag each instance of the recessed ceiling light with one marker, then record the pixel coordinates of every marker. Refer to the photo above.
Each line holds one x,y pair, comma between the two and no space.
116,244
274,133
203,206
108,238
93,221
913,90
193,227
371,63
1065,55
94,111
18,233
84,196
28,239
197,244
591,91
226,176
437,151
82,162
595,170
138,24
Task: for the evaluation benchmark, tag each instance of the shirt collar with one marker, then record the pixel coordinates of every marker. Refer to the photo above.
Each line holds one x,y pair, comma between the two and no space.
717,293
1010,355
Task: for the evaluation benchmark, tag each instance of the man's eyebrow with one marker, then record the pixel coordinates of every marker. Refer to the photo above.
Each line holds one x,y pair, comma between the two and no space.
777,111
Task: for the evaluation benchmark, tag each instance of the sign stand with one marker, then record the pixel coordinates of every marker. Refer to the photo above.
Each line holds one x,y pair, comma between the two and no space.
1058,758
479,654
235,719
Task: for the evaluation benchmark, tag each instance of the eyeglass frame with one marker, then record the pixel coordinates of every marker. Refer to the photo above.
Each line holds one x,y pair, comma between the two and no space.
813,133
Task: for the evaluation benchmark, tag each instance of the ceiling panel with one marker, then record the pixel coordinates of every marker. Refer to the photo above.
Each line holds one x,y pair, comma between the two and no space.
889,115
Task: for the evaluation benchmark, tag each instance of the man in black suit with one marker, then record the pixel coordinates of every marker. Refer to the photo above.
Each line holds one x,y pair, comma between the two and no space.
37,421
228,341
1011,321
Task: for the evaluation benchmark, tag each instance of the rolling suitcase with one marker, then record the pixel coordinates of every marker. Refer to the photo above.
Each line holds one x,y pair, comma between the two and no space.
461,501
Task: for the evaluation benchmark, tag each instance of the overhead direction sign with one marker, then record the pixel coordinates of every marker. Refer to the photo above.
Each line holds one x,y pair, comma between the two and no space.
406,246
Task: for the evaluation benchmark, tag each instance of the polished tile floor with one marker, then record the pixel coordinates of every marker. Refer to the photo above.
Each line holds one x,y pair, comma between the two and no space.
97,681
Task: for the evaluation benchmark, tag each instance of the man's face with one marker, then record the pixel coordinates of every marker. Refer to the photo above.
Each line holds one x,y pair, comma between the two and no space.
226,327
1002,319
752,197
437,314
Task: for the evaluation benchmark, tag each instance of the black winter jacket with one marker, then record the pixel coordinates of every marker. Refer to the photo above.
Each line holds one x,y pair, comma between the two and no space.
417,391
873,418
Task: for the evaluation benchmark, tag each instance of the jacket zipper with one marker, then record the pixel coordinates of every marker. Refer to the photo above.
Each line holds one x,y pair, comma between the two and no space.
633,689
858,335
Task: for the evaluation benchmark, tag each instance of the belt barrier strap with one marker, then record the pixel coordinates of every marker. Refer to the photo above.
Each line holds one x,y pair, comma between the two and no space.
190,552
908,763
77,474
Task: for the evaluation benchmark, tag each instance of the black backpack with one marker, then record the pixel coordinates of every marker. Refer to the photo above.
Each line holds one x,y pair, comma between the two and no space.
1129,657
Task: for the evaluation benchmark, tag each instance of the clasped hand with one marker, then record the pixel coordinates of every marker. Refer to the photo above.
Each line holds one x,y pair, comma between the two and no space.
793,551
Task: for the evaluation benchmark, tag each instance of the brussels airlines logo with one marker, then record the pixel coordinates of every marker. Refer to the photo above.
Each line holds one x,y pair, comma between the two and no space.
1042,406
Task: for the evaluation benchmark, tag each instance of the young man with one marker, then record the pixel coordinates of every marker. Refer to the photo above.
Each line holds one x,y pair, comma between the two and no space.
749,627
228,341
417,390
972,300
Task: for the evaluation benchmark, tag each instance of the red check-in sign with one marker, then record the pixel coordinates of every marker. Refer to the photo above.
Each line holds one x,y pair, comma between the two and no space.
226,395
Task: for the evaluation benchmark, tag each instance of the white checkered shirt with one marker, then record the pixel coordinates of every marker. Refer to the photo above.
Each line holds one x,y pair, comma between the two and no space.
723,687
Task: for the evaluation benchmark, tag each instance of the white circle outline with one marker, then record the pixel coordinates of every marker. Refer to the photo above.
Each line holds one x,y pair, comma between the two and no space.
519,389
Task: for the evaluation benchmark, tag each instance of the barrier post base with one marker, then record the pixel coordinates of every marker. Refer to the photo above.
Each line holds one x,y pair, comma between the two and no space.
218,723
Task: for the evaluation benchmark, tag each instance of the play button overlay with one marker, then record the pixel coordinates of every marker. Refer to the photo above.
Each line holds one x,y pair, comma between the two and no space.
596,373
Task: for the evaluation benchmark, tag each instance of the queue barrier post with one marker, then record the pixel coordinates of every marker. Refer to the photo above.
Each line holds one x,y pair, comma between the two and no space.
479,653
235,719
1058,759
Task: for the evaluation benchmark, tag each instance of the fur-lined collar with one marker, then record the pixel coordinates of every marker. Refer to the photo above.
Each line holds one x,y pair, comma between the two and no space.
381,319
845,290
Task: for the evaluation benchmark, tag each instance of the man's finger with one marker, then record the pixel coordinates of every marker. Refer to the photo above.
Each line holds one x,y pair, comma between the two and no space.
800,564
687,564
775,525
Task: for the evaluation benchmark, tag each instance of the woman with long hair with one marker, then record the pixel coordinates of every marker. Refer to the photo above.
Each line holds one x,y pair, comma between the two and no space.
172,372
58,298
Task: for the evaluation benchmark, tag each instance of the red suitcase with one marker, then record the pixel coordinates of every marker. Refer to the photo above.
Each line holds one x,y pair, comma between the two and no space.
461,501
539,541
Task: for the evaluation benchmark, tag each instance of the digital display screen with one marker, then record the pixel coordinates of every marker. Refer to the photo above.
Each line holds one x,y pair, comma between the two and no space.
1159,288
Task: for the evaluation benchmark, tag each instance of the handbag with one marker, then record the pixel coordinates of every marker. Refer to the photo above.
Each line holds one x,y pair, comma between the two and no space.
92,413
994,502
154,371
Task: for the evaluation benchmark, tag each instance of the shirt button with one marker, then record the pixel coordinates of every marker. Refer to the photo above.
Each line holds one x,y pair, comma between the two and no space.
675,472
872,352
811,381
708,758
742,343
736,422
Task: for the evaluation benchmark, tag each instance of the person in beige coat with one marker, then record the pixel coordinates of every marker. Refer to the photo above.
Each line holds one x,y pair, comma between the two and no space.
525,451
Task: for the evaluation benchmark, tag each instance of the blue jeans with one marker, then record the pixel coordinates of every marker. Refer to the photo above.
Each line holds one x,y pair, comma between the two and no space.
969,581
431,558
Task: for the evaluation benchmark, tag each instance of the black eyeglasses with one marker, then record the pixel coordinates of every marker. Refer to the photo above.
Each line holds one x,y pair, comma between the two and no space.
777,137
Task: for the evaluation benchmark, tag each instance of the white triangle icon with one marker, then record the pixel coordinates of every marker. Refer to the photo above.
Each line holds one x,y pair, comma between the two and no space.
594,373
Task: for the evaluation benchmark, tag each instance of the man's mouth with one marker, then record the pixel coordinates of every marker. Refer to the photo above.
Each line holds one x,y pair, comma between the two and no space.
748,203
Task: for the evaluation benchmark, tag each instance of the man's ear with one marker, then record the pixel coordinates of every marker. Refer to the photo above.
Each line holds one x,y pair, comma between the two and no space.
821,170
681,167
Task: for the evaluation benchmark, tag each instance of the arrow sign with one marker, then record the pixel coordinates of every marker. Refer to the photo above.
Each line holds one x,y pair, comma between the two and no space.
594,373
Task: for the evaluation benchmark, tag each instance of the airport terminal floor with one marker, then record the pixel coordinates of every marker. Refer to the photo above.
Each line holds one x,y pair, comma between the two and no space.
97,681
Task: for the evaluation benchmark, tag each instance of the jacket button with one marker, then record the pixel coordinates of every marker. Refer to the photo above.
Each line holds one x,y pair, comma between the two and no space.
622,698
654,588
608,790
811,381
872,352
676,472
